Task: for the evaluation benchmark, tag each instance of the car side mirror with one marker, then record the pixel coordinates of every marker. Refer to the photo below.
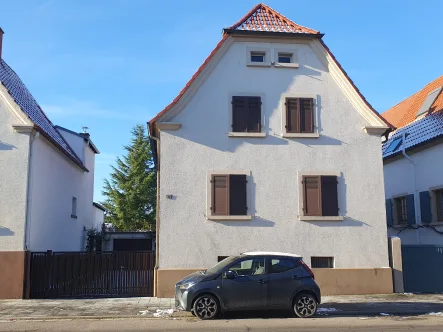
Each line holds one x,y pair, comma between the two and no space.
229,275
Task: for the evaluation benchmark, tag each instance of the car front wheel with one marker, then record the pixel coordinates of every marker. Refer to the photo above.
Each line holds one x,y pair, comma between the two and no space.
305,305
206,307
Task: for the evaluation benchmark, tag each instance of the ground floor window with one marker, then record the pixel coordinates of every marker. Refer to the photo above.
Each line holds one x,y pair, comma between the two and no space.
322,262
401,209
439,204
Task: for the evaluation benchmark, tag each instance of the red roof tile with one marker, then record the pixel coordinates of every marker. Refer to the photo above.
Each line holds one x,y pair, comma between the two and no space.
405,112
264,18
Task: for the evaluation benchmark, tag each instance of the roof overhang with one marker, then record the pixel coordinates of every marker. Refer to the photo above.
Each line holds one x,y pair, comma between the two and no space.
234,32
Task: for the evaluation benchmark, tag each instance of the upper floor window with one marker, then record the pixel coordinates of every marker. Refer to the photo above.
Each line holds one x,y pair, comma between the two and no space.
299,115
401,210
246,114
439,204
258,56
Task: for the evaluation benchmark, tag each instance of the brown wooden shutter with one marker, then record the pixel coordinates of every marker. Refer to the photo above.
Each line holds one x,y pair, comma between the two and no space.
239,114
254,114
307,115
312,196
292,115
220,195
329,196
237,195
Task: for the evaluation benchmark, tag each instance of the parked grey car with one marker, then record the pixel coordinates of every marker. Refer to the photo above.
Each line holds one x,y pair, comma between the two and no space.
250,281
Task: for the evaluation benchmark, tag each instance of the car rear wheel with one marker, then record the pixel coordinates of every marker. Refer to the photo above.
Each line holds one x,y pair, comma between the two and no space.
206,307
305,305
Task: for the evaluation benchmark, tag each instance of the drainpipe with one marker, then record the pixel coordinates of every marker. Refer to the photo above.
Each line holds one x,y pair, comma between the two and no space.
32,138
157,211
416,206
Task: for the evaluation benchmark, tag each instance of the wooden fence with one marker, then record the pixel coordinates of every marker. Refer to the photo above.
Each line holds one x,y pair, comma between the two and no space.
83,275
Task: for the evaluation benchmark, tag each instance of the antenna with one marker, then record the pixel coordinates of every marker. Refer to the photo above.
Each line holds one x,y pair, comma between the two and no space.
85,129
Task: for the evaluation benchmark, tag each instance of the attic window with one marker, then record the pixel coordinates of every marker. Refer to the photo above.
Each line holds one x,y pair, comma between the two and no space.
284,57
430,99
394,145
258,56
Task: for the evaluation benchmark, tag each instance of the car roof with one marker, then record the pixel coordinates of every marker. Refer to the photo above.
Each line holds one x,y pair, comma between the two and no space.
270,253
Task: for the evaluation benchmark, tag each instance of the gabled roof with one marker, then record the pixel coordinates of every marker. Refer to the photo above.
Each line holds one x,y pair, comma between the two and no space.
85,136
23,98
264,18
405,112
419,132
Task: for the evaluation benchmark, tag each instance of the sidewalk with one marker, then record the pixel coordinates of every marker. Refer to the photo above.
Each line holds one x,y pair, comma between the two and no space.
370,305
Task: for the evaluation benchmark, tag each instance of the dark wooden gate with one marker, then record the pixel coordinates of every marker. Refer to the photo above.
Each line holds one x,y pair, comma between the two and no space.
422,268
82,275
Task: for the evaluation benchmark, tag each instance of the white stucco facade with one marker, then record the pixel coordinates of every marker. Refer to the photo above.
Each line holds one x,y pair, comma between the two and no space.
38,184
14,155
400,180
188,239
99,218
54,183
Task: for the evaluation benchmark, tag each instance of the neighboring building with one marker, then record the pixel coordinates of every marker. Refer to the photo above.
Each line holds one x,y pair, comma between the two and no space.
270,146
47,182
99,216
128,241
413,159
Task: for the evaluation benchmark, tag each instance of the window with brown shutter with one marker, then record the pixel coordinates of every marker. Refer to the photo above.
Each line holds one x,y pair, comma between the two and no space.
320,196
246,114
229,195
299,115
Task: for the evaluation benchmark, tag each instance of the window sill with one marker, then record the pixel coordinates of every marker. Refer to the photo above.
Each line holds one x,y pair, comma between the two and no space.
258,64
286,65
237,134
231,218
301,135
73,216
321,218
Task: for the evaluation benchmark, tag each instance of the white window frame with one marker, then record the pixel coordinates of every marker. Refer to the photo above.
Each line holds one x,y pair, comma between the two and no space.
209,215
266,63
316,107
294,59
234,134
301,214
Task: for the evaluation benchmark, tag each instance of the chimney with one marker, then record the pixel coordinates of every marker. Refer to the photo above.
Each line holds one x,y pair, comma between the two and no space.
1,40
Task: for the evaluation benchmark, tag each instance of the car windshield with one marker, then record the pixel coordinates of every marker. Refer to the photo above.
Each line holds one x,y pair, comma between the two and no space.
221,265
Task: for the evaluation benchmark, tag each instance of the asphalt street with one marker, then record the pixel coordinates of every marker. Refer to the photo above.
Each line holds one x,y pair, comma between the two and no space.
363,324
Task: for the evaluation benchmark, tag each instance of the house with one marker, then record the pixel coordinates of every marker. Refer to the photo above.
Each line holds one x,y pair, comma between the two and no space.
270,146
47,183
99,216
412,159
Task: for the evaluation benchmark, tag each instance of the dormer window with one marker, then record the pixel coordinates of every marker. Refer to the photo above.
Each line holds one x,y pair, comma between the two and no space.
258,56
284,57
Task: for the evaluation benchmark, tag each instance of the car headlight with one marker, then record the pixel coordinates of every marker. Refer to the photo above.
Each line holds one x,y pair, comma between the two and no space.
187,285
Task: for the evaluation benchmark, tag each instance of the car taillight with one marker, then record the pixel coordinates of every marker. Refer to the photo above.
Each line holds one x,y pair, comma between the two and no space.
308,269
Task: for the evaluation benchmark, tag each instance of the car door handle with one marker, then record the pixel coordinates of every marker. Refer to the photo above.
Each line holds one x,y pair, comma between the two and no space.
261,281
296,277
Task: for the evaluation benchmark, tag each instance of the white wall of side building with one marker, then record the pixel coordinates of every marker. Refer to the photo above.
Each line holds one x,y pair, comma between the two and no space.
399,180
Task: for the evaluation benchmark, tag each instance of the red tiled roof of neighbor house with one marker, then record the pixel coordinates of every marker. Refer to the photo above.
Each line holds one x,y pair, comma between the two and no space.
264,19
405,112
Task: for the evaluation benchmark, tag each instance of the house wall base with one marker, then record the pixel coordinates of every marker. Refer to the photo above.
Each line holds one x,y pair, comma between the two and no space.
331,281
12,274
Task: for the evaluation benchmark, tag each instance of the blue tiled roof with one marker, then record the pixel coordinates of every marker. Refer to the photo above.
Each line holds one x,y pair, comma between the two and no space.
416,133
29,105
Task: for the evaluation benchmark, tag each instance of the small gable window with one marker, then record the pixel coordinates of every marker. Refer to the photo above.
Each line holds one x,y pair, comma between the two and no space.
258,57
284,57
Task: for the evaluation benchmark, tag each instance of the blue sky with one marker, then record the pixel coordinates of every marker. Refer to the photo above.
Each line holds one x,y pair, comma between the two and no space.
110,64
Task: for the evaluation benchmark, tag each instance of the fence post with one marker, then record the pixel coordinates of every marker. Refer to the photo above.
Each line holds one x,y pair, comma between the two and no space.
395,262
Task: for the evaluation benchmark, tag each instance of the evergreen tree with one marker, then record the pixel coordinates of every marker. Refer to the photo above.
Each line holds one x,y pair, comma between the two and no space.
131,190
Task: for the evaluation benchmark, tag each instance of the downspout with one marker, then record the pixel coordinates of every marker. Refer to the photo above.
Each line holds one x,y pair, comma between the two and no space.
157,211
416,206
32,138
